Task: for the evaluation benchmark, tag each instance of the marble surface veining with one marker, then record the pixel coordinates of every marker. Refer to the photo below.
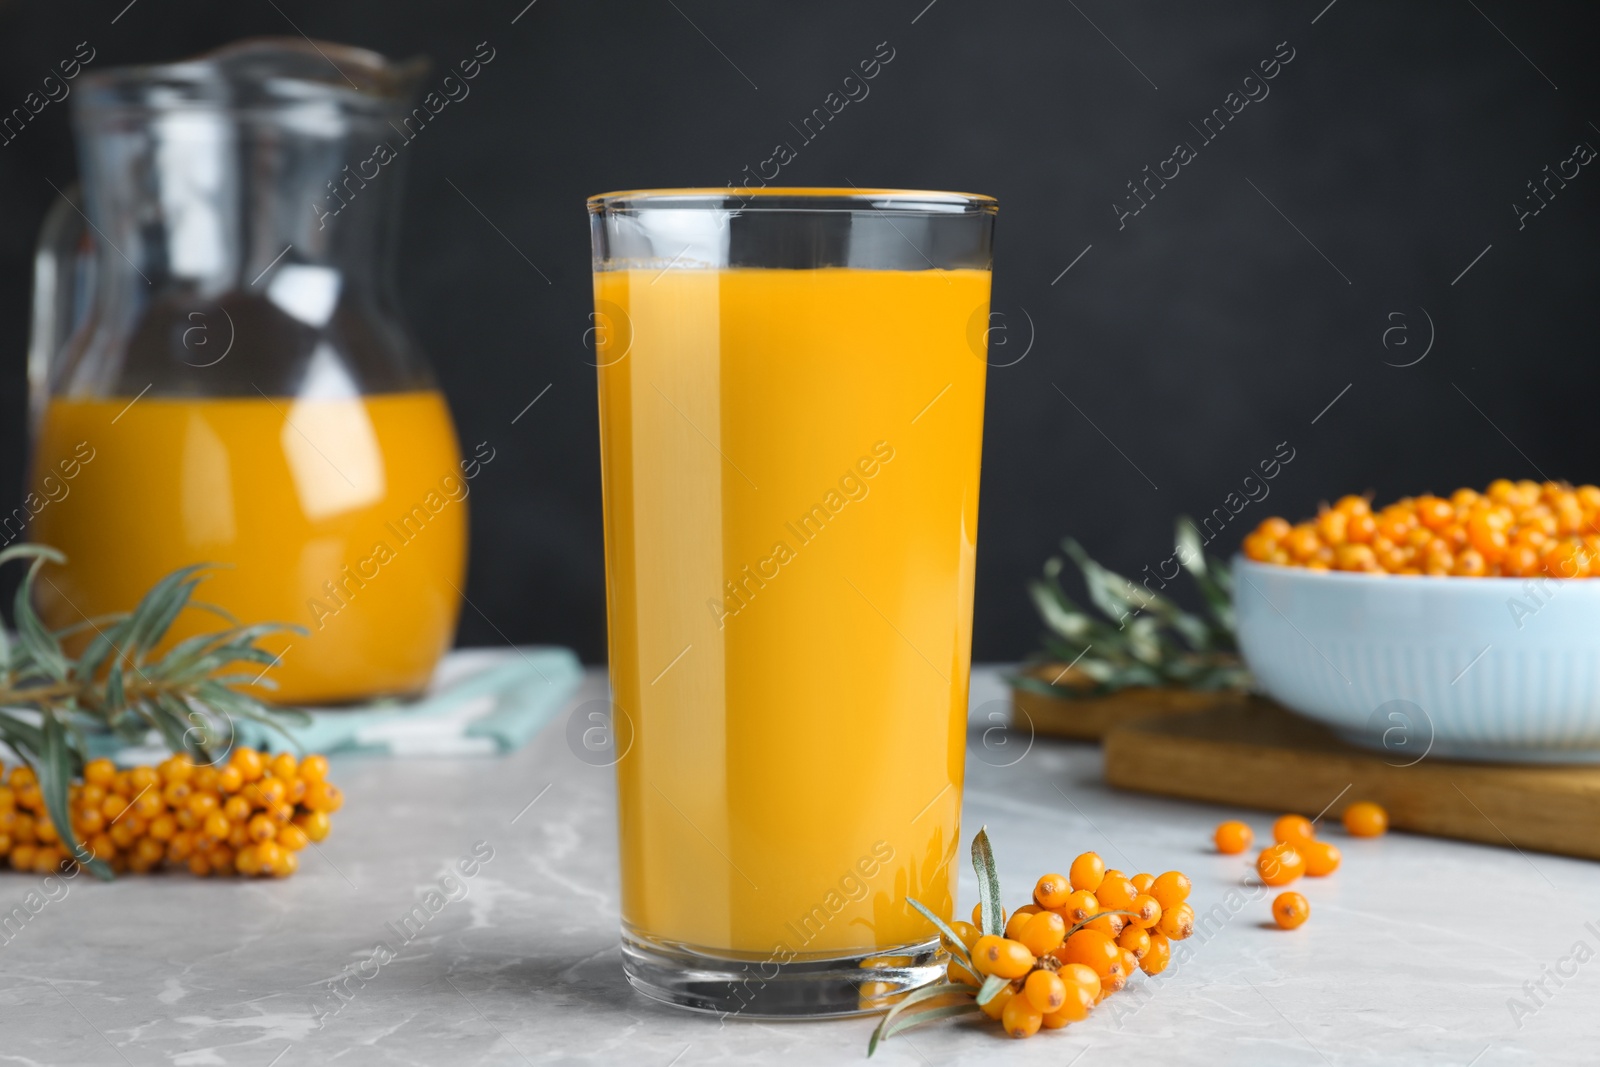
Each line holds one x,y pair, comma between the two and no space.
1418,951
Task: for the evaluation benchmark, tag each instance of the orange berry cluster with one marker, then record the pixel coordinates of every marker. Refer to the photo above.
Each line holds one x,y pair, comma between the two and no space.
1070,948
250,815
1296,851
1512,529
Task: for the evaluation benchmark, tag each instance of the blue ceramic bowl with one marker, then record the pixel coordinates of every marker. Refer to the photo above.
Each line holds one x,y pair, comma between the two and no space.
1504,669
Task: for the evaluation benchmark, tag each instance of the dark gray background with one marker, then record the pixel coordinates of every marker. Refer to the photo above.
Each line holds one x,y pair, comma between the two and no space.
1190,343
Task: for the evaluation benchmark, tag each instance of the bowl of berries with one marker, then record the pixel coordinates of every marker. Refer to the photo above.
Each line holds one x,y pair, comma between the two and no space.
1463,626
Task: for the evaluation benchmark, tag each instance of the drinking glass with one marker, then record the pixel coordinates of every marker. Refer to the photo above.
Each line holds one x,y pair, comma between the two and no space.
791,403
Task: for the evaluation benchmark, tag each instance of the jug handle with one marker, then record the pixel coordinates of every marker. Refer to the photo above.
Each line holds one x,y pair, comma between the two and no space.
63,280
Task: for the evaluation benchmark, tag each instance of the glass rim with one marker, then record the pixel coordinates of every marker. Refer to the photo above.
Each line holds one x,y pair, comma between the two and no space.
795,199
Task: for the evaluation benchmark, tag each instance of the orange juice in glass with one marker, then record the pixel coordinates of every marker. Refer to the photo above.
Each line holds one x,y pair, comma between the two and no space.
791,398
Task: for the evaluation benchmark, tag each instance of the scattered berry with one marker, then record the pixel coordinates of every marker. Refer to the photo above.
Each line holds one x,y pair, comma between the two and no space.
1290,910
1292,829
1321,857
1280,864
1365,819
1233,837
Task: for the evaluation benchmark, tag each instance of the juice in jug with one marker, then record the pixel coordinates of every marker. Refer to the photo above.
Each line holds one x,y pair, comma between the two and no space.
346,516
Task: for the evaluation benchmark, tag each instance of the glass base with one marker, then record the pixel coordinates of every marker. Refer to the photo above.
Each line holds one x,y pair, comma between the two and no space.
763,988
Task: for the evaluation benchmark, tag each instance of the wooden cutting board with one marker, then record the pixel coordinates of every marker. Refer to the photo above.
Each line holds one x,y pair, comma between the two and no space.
1091,718
1257,755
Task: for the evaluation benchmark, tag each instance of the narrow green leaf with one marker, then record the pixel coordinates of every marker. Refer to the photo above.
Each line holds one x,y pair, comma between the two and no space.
992,984
906,1022
41,646
949,935
988,884
911,999
55,768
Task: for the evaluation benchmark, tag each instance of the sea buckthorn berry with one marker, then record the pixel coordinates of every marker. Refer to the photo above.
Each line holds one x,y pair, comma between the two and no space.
262,828
245,860
122,784
163,827
1107,923
100,772
1078,1000
1018,920
142,778
230,779
1293,829
1080,974
202,804
1001,956
1136,940
321,796
977,909
1052,891
1289,910
1365,819
1087,871
89,822
316,825
1092,948
1280,864
1043,933
149,851
1079,906
283,766
22,857
1146,911
1170,889
1156,959
249,762
285,864
1130,961
269,792
1020,1018
996,1005
239,836
1321,858
217,826
1116,892
237,809
149,804
1232,837
1143,882
314,768
176,793
966,931
90,796
46,832
1045,991
1176,924
268,854
199,866
113,806
177,769
955,970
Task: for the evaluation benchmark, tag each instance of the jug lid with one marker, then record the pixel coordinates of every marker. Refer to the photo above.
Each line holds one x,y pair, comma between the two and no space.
261,73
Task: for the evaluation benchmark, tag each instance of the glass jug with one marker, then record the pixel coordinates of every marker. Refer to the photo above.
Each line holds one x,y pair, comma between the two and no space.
219,372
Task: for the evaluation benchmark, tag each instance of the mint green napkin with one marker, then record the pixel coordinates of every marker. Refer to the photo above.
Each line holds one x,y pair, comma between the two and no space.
482,701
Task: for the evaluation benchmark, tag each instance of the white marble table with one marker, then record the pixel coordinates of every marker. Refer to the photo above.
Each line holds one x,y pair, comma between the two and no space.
1412,954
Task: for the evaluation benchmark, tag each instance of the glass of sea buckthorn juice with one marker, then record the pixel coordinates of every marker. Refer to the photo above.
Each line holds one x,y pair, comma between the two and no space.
791,404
